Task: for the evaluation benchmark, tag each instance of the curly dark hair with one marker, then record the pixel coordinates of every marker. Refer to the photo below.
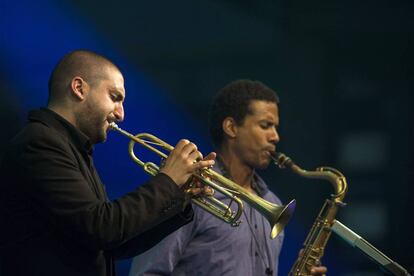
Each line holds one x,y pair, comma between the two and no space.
233,100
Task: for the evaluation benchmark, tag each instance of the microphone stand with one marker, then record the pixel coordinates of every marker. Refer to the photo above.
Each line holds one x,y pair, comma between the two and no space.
368,249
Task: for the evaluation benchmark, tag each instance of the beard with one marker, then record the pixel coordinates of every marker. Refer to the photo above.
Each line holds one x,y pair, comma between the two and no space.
260,161
262,165
92,123
255,160
96,132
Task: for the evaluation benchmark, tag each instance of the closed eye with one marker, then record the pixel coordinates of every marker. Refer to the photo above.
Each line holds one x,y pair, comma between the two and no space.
266,125
116,96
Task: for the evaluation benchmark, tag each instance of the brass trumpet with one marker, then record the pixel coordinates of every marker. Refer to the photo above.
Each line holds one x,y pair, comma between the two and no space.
277,216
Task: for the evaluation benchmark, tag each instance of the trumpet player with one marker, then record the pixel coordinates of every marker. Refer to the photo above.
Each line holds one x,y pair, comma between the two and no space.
56,217
243,127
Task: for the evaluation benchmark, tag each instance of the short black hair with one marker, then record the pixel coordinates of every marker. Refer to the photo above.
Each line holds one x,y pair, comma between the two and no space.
233,101
86,64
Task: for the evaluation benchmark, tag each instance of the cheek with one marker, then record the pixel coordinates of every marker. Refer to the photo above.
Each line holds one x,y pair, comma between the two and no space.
104,108
249,146
258,137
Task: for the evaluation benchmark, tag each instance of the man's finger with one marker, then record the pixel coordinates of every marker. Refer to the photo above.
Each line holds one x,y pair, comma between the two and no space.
210,156
208,191
203,164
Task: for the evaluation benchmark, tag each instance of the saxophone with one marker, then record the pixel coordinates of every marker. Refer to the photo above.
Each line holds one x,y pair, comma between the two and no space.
314,245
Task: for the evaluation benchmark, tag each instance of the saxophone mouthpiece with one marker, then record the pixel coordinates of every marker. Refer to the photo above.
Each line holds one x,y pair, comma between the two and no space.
281,160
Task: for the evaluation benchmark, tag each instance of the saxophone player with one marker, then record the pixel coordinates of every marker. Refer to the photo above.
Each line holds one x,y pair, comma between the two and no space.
243,127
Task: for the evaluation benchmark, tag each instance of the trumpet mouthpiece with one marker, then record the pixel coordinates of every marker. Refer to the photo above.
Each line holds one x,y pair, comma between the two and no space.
113,125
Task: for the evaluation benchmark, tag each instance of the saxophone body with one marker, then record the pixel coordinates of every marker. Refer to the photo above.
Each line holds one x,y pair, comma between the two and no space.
315,243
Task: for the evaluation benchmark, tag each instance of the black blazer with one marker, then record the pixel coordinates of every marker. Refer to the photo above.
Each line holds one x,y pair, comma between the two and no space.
55,218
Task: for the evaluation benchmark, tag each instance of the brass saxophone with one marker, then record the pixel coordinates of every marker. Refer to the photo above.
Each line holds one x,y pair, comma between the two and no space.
314,245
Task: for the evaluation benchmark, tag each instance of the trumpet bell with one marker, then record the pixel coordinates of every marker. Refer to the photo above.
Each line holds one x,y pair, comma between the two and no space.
280,217
277,216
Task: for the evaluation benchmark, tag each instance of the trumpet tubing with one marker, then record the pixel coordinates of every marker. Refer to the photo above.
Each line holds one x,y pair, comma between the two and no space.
277,216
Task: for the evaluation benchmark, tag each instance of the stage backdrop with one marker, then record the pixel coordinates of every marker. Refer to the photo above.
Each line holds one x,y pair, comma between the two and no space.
343,71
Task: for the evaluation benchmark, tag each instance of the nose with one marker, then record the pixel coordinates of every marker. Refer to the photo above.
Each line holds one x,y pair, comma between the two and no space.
274,136
119,112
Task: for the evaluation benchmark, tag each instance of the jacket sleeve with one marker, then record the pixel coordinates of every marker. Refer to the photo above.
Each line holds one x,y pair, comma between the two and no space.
46,169
150,238
164,257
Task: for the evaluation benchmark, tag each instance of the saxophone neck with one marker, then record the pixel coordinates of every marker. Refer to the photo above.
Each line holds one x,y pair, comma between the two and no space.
335,177
338,181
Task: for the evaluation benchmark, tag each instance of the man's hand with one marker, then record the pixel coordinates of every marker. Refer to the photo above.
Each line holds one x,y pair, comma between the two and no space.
194,185
316,270
182,162
319,270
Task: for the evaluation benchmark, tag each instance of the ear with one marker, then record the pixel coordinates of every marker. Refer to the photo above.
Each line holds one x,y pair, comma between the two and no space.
229,127
79,88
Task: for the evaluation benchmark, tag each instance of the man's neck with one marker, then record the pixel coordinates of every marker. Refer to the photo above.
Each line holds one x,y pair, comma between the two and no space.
64,112
240,173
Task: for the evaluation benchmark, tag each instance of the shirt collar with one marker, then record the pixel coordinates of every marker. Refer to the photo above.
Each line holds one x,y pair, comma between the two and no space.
54,120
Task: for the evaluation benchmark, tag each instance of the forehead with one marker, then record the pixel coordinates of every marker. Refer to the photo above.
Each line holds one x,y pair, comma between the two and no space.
263,109
112,73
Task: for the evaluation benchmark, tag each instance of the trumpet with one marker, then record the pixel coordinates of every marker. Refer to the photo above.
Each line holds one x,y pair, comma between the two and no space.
277,216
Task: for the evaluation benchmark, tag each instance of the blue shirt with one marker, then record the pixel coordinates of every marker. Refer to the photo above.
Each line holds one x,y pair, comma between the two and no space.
209,246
